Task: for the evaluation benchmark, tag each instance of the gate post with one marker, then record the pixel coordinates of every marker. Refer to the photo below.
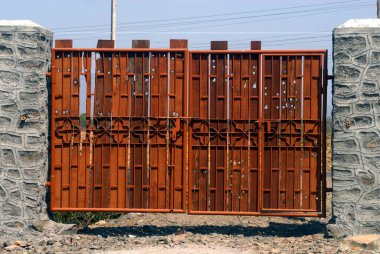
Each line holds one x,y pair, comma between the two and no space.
25,50
356,128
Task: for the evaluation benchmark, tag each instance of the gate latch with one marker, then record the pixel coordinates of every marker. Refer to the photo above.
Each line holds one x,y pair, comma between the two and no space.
177,128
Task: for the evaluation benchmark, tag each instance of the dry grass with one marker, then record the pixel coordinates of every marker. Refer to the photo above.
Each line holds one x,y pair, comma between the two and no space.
328,152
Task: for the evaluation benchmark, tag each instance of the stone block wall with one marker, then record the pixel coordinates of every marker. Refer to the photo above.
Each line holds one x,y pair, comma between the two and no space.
356,128
25,50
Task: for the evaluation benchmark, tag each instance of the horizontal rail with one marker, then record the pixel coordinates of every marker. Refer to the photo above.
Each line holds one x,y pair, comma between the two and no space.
69,209
243,51
262,213
119,50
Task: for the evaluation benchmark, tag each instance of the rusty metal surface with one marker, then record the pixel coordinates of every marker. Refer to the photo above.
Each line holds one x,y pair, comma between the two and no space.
242,129
129,154
256,137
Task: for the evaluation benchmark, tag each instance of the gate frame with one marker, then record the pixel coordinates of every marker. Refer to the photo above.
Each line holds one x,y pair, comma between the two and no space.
185,119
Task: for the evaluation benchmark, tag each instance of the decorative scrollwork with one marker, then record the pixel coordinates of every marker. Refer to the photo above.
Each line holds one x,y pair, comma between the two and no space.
292,133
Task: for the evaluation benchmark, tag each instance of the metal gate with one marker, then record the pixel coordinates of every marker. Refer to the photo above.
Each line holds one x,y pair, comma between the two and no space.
243,130
128,152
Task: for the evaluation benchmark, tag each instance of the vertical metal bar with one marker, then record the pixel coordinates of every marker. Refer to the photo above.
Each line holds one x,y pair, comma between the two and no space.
190,134
209,136
148,131
228,136
302,132
280,162
249,175
260,134
324,83
128,169
186,150
168,169
52,126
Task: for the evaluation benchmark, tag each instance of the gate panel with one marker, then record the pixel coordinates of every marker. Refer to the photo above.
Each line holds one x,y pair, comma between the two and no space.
292,144
224,135
127,154
255,132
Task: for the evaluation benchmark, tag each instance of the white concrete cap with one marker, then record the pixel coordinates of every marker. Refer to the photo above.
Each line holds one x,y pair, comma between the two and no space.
23,23
365,23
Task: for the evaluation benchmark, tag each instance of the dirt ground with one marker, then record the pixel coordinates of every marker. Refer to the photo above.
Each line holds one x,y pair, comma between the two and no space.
140,233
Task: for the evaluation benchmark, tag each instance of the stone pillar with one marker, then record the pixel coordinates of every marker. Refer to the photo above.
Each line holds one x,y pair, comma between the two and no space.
356,128
25,50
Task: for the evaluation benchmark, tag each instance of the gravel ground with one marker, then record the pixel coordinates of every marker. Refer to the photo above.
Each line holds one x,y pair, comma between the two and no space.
181,233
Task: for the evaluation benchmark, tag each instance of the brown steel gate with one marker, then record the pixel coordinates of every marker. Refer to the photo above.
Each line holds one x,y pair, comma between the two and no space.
250,124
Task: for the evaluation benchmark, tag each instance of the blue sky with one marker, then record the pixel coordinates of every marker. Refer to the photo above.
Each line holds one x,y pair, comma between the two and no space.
291,24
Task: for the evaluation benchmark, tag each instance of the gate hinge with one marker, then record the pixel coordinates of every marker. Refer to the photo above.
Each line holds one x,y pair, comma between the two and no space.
330,77
48,74
47,184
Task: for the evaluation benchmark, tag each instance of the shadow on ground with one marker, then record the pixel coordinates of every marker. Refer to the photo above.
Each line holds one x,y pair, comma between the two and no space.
274,229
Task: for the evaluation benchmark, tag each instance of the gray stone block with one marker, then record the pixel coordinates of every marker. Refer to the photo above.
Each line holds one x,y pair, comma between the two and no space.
9,78
369,141
345,88
3,194
10,210
343,110
369,212
30,157
6,36
25,50
342,57
361,60
346,160
10,139
351,43
343,173
372,197
5,123
347,144
347,195
8,157
15,196
13,173
356,128
349,73
366,178
6,50
363,107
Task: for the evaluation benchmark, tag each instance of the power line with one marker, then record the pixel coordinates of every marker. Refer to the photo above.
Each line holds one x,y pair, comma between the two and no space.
233,23
218,20
250,17
329,10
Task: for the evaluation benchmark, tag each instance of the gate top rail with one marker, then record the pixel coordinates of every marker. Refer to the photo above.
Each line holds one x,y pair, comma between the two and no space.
121,50
267,51
199,51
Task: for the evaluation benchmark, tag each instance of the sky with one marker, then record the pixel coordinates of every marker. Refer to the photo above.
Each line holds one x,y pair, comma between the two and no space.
291,24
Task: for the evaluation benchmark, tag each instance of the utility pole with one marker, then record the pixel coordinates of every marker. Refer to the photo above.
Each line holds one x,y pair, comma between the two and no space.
378,9
113,20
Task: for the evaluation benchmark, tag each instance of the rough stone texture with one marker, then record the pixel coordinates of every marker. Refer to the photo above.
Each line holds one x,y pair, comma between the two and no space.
360,242
356,129
25,50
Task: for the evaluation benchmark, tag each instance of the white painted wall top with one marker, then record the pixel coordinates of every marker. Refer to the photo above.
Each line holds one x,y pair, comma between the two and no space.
24,23
365,23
